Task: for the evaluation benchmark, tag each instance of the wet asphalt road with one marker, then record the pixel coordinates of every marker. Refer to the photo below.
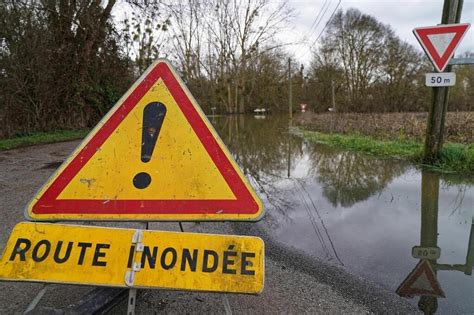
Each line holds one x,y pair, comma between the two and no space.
294,283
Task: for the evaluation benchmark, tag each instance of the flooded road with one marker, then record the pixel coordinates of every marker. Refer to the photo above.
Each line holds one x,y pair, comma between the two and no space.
358,212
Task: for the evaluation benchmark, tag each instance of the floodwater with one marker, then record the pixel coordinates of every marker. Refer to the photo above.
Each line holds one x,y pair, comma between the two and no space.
359,212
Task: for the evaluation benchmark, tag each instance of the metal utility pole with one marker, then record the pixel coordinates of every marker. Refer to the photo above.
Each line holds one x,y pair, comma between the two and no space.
435,129
290,91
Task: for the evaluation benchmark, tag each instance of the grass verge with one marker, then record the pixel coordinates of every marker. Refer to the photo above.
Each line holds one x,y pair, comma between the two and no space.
455,157
41,137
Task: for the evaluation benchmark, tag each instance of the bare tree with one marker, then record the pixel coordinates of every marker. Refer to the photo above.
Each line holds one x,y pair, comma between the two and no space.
357,41
219,39
372,68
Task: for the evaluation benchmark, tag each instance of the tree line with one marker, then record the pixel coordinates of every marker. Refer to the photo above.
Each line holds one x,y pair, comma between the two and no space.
64,63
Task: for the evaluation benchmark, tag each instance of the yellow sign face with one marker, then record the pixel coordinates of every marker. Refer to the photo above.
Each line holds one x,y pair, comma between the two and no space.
177,145
154,156
43,252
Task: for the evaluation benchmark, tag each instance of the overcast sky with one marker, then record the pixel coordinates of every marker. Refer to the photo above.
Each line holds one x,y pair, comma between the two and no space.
401,15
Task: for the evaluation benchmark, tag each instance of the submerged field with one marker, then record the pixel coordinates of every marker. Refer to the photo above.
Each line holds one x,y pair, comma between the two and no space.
397,135
390,126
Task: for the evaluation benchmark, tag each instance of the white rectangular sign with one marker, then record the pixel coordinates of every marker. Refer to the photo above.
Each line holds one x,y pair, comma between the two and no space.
440,79
425,252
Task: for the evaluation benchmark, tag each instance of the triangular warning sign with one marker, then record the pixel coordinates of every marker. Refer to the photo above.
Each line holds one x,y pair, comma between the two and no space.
154,156
421,282
439,42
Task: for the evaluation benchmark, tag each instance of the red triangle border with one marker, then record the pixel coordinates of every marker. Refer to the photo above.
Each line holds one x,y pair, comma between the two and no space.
245,203
440,62
423,266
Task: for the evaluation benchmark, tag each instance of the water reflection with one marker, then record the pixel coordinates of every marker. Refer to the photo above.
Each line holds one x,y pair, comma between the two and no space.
348,178
357,211
265,150
429,229
259,146
428,289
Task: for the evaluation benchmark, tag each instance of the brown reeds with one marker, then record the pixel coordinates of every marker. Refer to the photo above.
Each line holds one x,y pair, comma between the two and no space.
459,126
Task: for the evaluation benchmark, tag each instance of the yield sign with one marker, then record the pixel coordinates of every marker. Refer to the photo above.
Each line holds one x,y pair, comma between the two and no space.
439,42
421,282
154,156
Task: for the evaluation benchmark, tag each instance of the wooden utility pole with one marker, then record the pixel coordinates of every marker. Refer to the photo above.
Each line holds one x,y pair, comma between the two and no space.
290,91
435,129
333,96
333,108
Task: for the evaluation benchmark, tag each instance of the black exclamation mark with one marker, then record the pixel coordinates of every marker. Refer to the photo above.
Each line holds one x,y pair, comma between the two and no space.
153,117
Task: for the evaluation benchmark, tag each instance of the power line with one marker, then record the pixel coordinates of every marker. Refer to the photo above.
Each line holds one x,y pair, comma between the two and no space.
322,16
316,22
324,28
318,18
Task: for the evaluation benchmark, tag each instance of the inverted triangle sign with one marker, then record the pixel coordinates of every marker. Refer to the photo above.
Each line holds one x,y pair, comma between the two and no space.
421,281
439,42
154,156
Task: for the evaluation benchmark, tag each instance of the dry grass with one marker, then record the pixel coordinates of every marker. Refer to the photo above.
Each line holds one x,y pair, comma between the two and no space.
459,126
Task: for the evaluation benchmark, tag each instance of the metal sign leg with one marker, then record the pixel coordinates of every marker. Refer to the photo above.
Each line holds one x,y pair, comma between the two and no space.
132,299
225,302
37,299
132,292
